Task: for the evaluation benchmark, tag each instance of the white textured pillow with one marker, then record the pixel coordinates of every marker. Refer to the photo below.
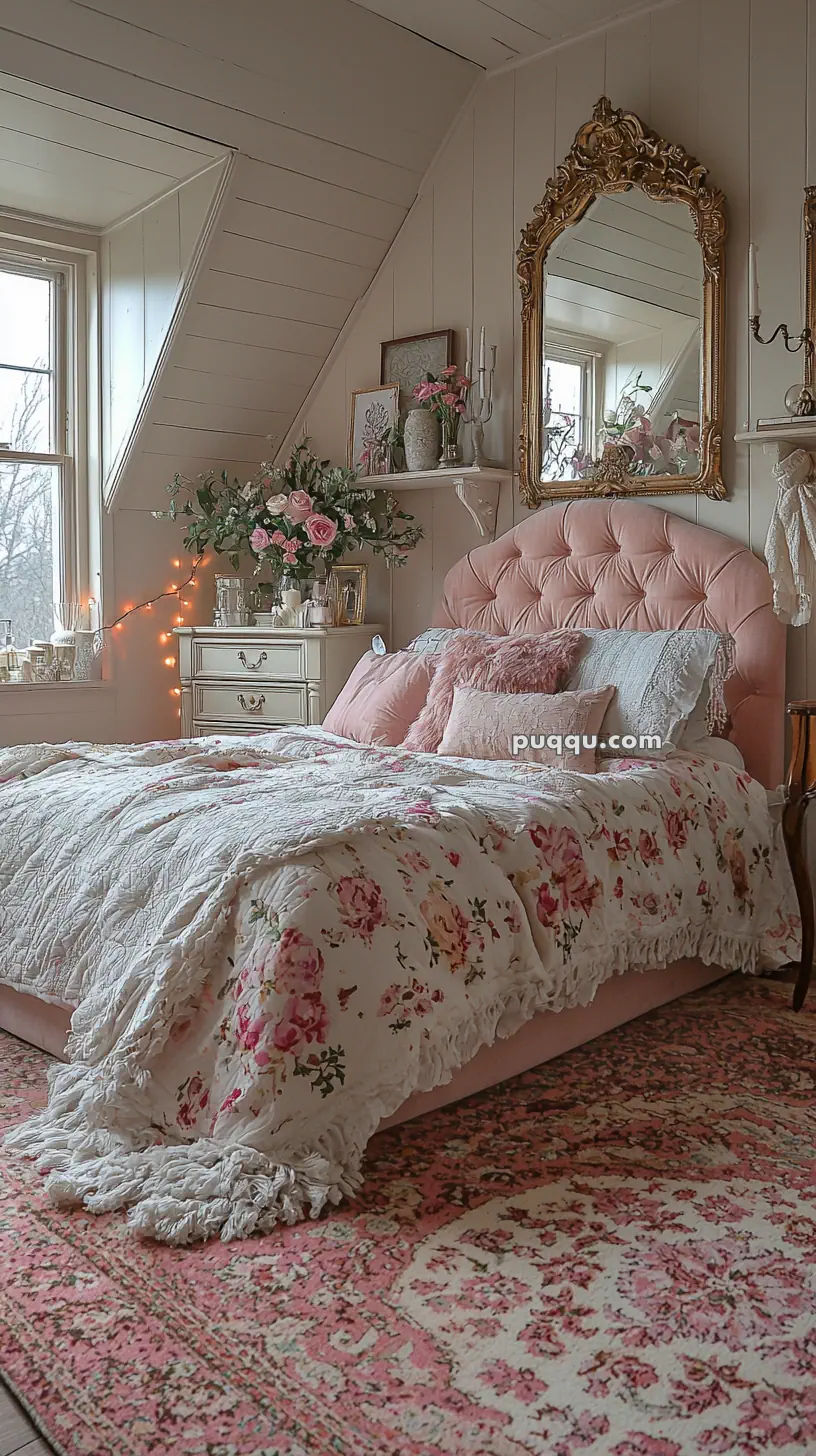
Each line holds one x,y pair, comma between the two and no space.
483,724
659,678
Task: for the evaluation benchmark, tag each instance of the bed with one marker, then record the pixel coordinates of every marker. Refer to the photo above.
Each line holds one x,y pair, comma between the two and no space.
582,565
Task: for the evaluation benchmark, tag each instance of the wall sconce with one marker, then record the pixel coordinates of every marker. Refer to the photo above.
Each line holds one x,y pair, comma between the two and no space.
800,399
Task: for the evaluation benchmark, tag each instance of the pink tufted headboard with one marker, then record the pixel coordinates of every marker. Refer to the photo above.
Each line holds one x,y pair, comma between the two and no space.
625,564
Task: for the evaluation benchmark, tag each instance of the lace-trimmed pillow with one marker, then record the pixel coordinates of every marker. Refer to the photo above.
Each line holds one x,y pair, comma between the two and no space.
660,677
537,664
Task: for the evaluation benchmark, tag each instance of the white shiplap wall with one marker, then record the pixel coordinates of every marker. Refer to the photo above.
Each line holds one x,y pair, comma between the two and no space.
735,82
144,263
336,114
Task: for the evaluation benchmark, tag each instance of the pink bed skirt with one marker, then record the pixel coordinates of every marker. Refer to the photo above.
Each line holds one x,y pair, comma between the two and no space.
548,1035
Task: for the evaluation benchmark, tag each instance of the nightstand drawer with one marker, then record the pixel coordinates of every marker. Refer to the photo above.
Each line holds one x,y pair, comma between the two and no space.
251,661
268,704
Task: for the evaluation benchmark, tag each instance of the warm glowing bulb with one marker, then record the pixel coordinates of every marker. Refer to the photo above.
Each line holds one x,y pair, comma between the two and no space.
176,692
164,637
118,626
173,586
193,582
177,563
180,621
169,661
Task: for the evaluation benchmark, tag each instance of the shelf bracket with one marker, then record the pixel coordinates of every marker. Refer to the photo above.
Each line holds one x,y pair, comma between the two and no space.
480,499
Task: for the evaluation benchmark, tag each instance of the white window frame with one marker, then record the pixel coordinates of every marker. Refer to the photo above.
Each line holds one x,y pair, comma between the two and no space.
584,354
71,356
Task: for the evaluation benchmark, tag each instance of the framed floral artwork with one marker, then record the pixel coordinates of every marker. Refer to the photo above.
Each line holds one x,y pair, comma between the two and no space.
374,413
407,361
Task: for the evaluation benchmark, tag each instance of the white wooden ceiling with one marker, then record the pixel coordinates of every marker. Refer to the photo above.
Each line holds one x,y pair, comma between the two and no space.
335,115
491,32
77,162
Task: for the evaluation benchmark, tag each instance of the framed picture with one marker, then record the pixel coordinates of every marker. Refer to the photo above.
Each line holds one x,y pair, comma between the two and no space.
347,595
373,413
407,361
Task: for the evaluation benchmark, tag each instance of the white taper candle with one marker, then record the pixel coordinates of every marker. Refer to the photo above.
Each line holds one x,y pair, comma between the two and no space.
753,283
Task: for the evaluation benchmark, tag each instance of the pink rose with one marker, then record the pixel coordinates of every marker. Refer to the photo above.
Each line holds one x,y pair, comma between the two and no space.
298,506
304,1019
259,540
298,964
362,907
320,530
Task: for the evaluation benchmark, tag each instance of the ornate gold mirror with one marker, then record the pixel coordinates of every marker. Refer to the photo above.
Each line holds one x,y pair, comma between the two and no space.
622,285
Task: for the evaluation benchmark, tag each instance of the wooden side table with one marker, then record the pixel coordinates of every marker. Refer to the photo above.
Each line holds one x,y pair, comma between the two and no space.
799,790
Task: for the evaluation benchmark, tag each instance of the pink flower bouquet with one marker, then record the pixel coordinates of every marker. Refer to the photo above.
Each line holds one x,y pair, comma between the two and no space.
299,517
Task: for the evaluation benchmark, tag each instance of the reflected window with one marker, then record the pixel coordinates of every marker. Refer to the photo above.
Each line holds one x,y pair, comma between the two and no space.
569,404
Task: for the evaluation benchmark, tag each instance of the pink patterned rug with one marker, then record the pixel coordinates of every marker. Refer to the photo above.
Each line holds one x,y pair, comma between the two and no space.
613,1254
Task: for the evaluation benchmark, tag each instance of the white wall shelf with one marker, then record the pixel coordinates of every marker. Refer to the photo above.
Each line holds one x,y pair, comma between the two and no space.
798,432
476,486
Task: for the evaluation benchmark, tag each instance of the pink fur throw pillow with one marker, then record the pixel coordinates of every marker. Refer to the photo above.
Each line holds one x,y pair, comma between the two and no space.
538,664
524,727
382,698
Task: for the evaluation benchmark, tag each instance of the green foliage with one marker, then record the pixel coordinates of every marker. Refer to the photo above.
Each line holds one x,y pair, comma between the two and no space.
240,520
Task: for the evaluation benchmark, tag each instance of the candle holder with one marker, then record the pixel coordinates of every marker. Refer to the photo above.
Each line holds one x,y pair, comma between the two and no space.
478,417
799,399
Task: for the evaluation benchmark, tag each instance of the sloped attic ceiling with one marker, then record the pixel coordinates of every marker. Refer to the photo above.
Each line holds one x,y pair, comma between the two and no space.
491,32
335,115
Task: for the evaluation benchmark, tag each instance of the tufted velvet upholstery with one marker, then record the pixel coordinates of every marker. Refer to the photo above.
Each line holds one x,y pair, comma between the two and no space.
626,564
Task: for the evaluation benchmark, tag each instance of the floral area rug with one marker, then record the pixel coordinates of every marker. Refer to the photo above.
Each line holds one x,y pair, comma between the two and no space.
615,1254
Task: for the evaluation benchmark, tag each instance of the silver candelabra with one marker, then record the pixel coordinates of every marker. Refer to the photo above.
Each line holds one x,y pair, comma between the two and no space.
479,413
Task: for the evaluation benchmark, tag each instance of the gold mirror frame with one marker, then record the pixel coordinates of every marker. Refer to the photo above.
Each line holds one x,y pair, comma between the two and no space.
810,285
612,153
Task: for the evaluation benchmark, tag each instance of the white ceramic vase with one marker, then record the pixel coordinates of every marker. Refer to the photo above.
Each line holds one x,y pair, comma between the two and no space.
421,438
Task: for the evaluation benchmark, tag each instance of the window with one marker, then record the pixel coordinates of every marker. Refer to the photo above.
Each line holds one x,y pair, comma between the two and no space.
37,478
569,410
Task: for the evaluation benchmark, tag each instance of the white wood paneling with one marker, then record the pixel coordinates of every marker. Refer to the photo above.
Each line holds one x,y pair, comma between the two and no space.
83,163
327,171
727,78
493,31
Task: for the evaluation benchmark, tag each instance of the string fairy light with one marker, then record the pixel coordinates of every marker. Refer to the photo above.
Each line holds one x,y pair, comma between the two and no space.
174,590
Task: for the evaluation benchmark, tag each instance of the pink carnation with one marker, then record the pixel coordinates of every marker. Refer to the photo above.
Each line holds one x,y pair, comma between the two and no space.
450,399
320,530
298,506
259,540
451,369
278,539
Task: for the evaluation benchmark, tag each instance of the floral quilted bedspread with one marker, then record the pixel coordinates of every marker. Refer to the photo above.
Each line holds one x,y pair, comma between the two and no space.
273,942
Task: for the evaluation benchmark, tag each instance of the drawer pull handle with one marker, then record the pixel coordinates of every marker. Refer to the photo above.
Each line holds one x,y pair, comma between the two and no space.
254,705
251,666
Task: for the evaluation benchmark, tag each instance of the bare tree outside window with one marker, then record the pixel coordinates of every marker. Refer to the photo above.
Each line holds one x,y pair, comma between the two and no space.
32,435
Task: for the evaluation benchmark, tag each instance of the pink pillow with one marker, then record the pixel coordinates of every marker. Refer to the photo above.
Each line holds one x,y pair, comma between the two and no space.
492,725
381,698
538,664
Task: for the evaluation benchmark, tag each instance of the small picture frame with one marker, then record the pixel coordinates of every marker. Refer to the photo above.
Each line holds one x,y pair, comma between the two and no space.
408,360
373,413
347,595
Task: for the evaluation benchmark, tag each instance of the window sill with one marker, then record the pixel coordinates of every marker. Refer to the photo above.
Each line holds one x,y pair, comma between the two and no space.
57,687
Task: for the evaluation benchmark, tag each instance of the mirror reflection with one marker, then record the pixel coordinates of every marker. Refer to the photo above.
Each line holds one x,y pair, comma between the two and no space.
621,347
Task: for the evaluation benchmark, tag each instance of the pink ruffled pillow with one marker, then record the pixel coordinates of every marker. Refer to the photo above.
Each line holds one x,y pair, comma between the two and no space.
538,664
382,698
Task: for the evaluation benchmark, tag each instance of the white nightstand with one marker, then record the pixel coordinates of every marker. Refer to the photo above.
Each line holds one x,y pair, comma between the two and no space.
248,679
